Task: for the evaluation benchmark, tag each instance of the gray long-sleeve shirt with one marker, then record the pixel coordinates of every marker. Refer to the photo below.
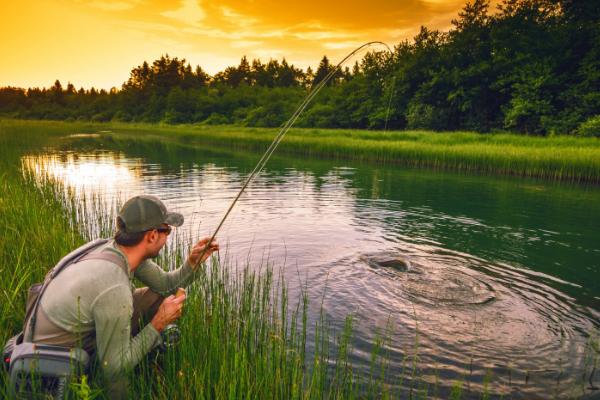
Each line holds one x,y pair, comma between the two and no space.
91,302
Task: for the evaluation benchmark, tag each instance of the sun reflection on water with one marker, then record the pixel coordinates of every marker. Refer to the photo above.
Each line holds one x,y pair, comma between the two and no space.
100,172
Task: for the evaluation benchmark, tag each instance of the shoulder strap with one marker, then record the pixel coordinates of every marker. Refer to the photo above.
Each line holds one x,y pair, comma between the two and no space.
75,256
71,258
105,256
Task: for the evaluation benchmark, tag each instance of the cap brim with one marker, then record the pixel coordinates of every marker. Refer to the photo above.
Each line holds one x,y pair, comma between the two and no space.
174,219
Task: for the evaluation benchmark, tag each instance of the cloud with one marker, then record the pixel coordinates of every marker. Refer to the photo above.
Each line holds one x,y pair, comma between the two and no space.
112,6
319,35
349,14
246,43
190,13
342,45
148,27
231,35
111,36
237,18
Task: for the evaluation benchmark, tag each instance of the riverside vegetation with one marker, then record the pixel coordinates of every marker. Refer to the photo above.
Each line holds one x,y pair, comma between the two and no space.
242,336
564,158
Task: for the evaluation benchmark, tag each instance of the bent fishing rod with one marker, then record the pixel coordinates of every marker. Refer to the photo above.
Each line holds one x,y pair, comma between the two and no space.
271,149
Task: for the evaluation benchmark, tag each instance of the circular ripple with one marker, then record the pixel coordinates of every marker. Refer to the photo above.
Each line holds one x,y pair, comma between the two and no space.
445,286
433,284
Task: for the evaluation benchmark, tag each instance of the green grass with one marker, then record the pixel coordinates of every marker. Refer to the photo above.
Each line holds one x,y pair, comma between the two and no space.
36,231
559,158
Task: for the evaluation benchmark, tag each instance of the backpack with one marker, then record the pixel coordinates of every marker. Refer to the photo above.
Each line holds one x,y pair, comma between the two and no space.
40,367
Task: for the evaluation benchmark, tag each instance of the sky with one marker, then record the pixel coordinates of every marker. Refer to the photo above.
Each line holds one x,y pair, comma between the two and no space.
97,42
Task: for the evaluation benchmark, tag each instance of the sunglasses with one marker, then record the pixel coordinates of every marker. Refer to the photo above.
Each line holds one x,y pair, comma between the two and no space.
166,230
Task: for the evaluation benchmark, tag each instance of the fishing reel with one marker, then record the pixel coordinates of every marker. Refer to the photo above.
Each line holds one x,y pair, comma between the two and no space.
171,336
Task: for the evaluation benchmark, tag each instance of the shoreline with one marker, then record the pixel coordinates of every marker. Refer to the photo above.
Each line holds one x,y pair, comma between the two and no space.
559,158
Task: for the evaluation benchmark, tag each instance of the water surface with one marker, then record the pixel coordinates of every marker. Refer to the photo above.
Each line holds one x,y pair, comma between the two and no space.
481,278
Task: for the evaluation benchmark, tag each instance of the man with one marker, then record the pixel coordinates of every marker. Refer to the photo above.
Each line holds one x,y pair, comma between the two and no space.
93,303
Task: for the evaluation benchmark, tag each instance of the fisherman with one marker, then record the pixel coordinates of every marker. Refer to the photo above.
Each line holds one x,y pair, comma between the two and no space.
93,304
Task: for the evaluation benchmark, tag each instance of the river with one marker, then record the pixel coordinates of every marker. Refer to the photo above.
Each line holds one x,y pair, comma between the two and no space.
490,280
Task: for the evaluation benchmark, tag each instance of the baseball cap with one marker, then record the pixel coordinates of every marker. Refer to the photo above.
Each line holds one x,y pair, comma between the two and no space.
144,212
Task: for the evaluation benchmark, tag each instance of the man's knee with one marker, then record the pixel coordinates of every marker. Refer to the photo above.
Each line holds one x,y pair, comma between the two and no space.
145,305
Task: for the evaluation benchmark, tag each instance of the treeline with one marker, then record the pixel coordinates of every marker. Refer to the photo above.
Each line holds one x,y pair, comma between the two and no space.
531,66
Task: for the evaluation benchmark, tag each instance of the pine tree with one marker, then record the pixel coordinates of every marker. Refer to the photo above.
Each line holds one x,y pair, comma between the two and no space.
322,71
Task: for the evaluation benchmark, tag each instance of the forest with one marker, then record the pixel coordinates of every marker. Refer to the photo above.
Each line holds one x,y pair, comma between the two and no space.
525,66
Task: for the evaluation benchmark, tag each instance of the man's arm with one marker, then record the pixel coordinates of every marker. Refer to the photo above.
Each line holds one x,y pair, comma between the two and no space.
162,282
166,283
117,351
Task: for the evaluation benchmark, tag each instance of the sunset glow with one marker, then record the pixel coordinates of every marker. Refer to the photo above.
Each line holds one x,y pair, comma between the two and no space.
96,43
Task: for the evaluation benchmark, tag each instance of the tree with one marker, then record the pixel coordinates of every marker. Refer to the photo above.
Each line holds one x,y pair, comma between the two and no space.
70,89
166,73
140,78
259,75
57,93
308,78
530,102
201,78
244,71
180,106
234,76
323,70
288,75
533,67
471,96
272,70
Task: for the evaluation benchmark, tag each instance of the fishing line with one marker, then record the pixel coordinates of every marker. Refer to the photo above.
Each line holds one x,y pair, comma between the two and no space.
271,149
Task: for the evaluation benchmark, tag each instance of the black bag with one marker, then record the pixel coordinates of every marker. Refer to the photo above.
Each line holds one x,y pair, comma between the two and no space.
40,368
44,370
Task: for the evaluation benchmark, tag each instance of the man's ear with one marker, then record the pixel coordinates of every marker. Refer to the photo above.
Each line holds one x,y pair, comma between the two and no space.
151,236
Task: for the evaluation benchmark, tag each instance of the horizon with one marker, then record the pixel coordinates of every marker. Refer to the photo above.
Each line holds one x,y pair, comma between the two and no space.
90,44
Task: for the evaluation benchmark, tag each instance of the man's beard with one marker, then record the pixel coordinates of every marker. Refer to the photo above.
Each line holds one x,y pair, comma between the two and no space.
154,255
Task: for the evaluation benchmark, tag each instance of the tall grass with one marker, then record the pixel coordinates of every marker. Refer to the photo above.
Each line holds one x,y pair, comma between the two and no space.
35,230
558,158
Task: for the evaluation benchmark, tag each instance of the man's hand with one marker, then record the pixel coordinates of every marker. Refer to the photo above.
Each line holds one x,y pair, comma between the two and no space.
170,310
199,248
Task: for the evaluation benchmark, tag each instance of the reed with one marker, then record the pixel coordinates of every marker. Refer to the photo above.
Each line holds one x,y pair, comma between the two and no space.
36,232
564,158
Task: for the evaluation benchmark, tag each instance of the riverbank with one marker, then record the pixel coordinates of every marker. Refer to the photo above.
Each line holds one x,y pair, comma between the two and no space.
564,158
36,230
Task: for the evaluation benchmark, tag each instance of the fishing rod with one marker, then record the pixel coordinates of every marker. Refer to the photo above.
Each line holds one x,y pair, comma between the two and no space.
271,149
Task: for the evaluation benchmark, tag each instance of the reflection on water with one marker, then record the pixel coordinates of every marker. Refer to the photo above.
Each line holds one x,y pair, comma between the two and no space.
103,172
476,275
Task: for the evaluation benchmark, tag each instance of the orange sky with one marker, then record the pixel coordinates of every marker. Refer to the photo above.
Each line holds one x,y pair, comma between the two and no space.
97,42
